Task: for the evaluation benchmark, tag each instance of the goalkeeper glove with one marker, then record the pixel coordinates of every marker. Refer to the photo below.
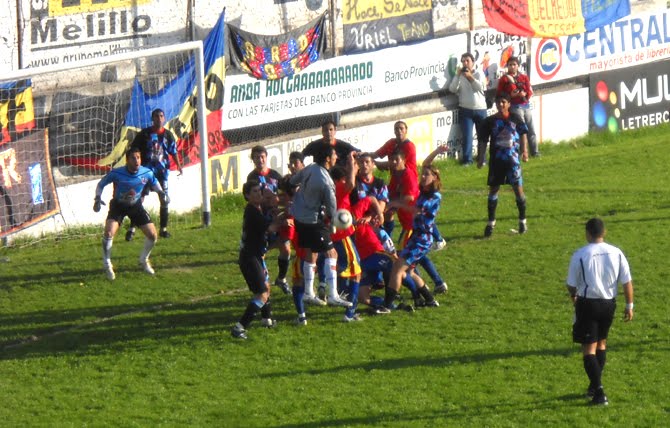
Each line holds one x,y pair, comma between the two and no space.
97,203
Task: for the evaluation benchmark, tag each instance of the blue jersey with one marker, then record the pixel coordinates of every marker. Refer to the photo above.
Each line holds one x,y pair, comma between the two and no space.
504,135
376,188
127,186
427,205
156,148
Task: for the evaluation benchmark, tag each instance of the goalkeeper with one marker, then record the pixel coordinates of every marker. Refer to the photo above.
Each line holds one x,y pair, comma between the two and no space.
156,143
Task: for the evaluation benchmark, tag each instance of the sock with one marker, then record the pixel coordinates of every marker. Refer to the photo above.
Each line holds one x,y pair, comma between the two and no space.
521,205
426,294
164,217
330,268
436,233
308,270
376,301
146,251
252,309
320,263
431,270
492,205
389,226
389,297
107,251
593,370
283,264
601,356
354,285
298,293
266,310
409,282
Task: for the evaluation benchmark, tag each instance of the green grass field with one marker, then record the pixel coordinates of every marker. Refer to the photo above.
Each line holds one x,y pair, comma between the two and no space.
77,350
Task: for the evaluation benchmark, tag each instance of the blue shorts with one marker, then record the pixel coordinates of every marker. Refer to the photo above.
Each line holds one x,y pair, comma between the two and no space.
376,269
417,248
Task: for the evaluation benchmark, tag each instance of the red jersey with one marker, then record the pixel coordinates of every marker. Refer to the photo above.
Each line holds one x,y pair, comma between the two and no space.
343,202
366,241
407,147
508,84
404,184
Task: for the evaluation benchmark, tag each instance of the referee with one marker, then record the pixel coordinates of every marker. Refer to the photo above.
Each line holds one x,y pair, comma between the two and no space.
593,276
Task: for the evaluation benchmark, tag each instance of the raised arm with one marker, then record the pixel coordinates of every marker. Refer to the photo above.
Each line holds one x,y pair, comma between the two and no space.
429,159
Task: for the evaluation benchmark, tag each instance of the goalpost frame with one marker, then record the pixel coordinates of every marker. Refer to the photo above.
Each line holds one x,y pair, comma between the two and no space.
197,47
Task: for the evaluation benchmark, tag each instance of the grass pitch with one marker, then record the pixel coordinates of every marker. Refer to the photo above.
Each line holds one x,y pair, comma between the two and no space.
78,350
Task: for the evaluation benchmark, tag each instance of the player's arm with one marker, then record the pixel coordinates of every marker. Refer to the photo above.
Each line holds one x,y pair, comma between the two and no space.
352,170
628,294
380,153
429,159
98,193
572,293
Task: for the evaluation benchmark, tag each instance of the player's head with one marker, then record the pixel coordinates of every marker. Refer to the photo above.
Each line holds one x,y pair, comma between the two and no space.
259,156
252,192
296,162
158,118
503,101
325,155
397,160
430,179
328,130
468,60
595,229
337,173
133,159
400,130
366,164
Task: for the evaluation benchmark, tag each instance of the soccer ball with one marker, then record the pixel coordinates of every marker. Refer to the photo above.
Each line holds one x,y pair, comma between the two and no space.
342,219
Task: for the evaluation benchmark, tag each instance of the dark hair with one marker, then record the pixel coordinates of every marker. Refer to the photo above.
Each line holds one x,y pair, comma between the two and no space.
285,185
323,151
595,227
258,150
468,55
436,185
156,112
133,150
296,156
363,155
398,152
246,188
328,122
337,172
513,59
398,123
504,96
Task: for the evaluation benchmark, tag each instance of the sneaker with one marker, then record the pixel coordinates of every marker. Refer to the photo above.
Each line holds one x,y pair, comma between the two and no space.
355,318
599,399
281,283
380,310
440,289
300,321
130,234
239,333
590,392
165,234
268,323
321,291
109,271
522,227
438,245
313,300
337,301
488,231
432,304
146,266
404,307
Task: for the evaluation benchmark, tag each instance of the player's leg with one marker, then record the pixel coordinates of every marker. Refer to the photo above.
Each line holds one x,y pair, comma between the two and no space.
492,205
427,264
398,270
164,206
141,218
298,290
111,227
521,206
336,259
427,298
256,278
283,262
130,233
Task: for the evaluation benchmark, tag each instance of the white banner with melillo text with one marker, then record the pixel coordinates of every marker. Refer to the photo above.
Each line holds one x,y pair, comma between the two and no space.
343,83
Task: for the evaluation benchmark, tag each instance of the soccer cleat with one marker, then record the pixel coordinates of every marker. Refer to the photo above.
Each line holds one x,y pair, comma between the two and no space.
130,234
300,321
442,288
432,304
522,227
165,234
438,245
355,318
281,283
381,310
268,323
238,333
599,399
404,307
109,271
321,291
488,231
337,301
419,302
313,300
590,392
146,266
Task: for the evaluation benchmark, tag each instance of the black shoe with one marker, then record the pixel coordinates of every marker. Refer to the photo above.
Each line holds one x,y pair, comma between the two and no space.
522,227
404,307
165,234
432,304
488,231
590,392
599,399
419,302
239,333
380,310
281,283
130,234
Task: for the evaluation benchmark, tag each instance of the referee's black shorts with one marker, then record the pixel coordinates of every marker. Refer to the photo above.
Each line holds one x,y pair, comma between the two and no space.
593,319
315,237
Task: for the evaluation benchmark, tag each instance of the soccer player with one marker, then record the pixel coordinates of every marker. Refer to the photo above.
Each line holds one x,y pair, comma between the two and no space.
157,144
253,246
517,85
269,179
594,274
328,131
129,182
366,182
506,132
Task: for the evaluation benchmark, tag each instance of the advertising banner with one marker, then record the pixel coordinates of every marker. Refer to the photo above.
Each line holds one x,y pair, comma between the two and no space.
375,24
343,83
17,114
66,31
27,191
629,99
492,49
633,40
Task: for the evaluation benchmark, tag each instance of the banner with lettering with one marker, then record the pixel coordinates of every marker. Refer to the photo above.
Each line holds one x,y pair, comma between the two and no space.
27,191
375,24
16,109
492,49
633,40
542,18
176,99
274,57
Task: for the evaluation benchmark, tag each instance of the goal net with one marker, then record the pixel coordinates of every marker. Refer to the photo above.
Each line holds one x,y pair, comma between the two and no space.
75,123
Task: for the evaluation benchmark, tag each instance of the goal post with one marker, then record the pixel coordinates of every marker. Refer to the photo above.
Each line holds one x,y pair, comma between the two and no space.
82,108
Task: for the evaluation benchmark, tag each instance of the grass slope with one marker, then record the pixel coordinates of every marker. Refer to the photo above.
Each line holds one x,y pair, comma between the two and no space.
143,351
